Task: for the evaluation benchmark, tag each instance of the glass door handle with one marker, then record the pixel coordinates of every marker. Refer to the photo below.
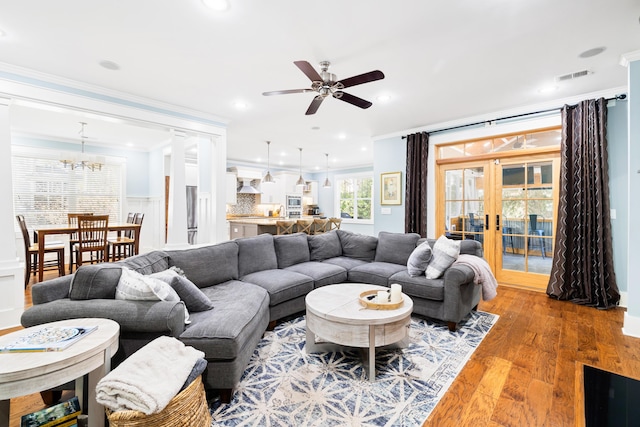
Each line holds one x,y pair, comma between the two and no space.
486,222
497,222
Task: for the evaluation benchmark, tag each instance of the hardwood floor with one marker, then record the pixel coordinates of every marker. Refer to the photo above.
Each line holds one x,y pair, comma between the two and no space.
523,373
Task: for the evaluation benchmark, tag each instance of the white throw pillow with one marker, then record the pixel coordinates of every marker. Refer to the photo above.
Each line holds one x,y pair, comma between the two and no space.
445,253
419,259
139,287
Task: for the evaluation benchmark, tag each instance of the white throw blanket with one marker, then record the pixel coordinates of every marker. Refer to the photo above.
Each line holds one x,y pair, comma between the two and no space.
483,274
149,378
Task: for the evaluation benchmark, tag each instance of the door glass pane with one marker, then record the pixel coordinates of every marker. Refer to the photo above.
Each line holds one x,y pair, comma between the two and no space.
527,217
464,203
453,219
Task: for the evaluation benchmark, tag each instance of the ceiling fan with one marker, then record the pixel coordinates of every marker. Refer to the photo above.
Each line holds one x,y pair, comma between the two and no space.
326,84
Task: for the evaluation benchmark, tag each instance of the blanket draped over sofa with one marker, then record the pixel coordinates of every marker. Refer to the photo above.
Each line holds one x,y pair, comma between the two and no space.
250,283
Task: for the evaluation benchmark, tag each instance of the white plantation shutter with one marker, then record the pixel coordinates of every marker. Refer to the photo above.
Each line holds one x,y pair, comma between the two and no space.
44,191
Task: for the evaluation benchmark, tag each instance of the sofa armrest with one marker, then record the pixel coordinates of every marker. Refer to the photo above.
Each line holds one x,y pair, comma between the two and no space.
461,294
51,290
166,317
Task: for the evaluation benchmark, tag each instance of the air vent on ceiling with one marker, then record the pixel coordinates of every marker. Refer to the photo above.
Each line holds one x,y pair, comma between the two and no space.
571,76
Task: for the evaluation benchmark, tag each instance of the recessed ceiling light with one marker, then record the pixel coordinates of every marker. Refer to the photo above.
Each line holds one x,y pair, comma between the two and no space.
109,65
217,5
383,98
592,52
315,128
240,105
342,136
548,89
364,148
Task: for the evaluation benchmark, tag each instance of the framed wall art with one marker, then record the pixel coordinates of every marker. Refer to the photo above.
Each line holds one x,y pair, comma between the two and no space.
391,188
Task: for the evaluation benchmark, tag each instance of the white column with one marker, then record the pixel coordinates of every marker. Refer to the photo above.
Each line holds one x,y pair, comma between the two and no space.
177,236
11,273
632,316
218,230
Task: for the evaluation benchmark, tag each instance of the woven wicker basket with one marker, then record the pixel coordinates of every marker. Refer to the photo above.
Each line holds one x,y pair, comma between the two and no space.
187,408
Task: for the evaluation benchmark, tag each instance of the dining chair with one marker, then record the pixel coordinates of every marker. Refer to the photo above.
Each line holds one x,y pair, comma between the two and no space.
320,225
334,223
31,253
304,225
123,246
285,227
72,220
92,238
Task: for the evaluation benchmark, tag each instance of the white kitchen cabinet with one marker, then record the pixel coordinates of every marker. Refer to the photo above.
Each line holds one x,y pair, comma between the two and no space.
275,193
310,193
232,188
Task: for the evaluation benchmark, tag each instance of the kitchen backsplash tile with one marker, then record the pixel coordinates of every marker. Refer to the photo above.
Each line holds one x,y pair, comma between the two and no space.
246,205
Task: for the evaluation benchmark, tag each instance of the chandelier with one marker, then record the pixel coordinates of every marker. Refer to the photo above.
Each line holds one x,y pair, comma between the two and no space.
84,161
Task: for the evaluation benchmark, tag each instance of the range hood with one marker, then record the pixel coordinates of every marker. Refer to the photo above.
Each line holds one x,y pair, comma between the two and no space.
247,188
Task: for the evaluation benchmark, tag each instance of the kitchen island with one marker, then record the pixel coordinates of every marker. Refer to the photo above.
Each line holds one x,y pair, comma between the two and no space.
249,226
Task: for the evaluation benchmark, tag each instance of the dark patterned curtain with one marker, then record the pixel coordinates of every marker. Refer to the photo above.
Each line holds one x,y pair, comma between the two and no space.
415,202
582,269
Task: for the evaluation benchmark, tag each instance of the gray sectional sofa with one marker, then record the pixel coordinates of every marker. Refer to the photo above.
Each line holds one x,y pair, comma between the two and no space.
251,282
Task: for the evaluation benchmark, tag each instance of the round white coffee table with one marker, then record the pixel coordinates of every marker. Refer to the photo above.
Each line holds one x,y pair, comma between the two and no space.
27,373
336,316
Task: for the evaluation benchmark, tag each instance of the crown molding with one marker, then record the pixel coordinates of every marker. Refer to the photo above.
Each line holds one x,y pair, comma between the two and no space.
627,58
49,81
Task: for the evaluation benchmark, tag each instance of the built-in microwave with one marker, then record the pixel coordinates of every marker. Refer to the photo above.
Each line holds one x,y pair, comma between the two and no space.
293,205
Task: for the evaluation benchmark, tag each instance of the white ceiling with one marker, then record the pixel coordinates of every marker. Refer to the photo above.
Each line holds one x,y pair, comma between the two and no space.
443,60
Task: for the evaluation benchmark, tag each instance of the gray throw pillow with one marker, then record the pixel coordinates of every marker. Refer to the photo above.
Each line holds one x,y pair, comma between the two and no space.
445,252
419,260
95,281
189,293
148,263
358,246
324,246
395,247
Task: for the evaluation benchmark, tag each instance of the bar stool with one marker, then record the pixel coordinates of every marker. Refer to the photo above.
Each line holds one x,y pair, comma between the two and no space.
304,225
507,239
320,225
536,233
285,227
334,223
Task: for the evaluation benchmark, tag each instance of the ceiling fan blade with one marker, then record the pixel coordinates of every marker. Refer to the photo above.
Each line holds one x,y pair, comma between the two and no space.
315,104
285,92
308,70
371,76
354,100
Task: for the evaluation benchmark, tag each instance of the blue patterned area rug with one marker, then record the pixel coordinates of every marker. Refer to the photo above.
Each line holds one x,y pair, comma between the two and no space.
285,386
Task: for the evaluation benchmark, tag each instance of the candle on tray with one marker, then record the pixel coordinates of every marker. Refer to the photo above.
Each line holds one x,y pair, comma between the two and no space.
383,297
396,293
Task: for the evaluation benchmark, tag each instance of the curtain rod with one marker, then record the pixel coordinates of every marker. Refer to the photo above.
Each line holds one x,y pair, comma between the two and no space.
617,97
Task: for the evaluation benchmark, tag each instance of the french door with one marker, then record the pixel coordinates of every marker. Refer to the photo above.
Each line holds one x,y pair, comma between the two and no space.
507,204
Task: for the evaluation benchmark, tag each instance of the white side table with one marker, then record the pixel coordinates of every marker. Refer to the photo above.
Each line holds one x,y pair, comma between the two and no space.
334,314
27,373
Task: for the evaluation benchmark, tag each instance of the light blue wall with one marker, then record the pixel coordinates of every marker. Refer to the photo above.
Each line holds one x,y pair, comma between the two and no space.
389,155
617,137
633,195
138,163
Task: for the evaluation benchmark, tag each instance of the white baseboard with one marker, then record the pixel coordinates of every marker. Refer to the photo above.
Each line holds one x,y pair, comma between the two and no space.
623,299
631,326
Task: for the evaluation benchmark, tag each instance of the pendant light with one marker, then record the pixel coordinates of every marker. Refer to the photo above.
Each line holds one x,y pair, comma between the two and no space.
300,182
268,179
327,183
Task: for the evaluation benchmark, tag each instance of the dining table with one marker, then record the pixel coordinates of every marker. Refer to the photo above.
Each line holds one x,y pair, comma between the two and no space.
42,231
